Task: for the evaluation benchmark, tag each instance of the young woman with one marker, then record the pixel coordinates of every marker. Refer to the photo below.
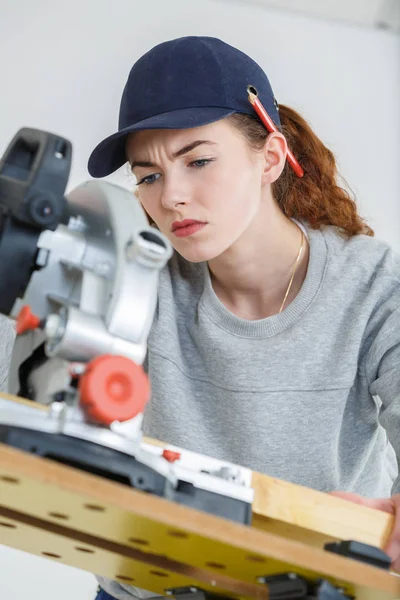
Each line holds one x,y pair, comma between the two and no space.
276,339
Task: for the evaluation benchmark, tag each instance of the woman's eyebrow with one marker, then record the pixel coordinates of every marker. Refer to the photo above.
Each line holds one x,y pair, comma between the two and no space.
181,152
192,146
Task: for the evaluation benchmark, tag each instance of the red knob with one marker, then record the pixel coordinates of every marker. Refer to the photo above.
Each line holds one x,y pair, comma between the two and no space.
113,388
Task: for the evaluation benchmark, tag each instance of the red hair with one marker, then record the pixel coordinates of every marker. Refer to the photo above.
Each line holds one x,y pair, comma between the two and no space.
316,198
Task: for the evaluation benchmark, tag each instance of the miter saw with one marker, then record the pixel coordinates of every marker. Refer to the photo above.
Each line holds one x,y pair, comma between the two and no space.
79,274
79,277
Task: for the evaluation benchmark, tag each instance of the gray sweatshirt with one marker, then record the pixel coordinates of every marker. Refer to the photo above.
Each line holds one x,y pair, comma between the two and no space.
311,395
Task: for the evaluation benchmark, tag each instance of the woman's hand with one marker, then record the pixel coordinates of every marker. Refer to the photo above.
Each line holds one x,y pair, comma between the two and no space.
390,505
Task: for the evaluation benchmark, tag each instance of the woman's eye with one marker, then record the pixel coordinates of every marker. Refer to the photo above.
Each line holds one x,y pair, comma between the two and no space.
201,162
149,179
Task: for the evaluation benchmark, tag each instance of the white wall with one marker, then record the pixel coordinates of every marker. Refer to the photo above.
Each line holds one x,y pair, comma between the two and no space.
64,65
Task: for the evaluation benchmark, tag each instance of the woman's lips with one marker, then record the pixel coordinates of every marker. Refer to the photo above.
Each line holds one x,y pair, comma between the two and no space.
187,230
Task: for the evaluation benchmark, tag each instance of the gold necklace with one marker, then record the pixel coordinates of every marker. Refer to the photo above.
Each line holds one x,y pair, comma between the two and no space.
296,264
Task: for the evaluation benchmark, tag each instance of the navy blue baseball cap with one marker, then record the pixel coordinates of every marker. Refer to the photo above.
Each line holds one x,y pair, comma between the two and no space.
180,84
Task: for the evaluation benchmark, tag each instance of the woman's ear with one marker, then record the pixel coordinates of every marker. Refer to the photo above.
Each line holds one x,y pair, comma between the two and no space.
274,156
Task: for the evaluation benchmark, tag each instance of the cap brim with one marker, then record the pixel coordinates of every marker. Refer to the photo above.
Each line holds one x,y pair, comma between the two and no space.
109,155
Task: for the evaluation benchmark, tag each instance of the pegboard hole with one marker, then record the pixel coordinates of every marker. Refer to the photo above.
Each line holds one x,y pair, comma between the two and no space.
86,550
178,534
139,541
254,558
8,479
158,573
51,555
215,565
95,507
9,525
57,515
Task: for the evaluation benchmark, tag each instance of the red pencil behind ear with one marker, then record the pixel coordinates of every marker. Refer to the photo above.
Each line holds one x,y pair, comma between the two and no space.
270,126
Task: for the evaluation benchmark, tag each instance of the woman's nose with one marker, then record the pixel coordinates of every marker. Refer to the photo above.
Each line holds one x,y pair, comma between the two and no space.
174,193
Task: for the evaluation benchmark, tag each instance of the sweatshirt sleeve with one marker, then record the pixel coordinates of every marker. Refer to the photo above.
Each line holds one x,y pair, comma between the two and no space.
7,336
382,369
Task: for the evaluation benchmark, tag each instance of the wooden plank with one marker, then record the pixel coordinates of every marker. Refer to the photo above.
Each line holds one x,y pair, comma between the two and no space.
315,517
